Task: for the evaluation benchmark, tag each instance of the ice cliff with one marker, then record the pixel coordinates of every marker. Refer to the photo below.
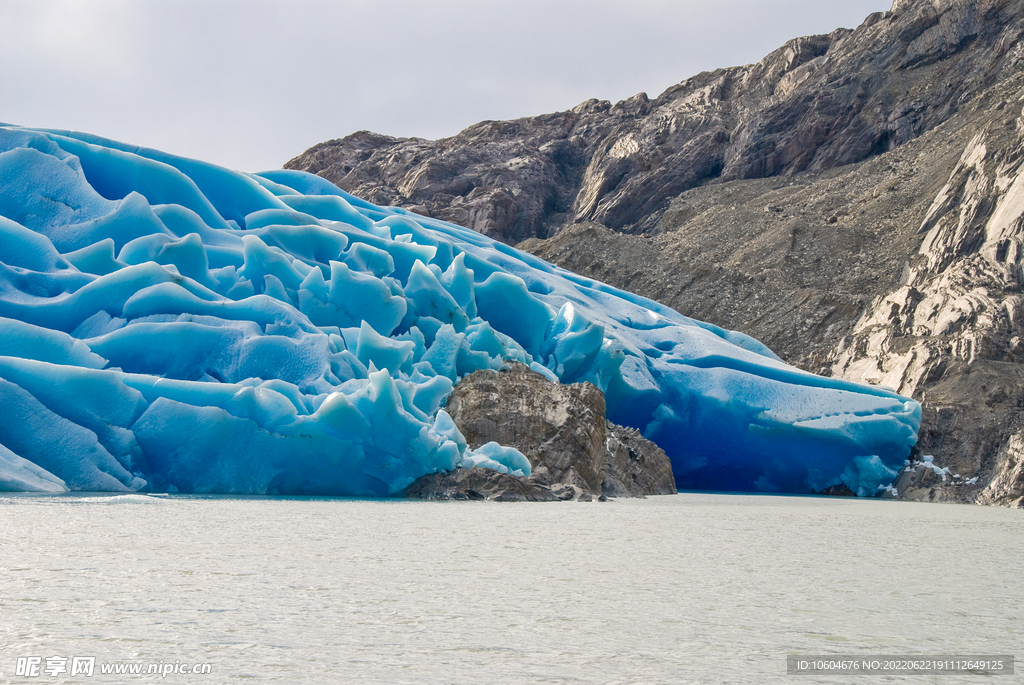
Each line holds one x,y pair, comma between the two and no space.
167,324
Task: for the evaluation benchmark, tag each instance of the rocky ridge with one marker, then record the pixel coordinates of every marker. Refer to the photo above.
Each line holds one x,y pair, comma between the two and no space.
853,200
576,454
816,103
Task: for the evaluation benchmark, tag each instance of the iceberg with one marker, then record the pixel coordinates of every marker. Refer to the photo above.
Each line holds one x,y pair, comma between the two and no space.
168,325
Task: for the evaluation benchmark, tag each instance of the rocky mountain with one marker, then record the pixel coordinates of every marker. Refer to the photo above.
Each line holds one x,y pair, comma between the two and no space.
903,270
853,200
814,104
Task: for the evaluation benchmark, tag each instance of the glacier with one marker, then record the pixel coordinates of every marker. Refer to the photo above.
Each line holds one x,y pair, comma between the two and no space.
169,325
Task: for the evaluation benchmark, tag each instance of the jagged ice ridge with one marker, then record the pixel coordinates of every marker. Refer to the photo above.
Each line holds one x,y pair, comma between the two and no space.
170,325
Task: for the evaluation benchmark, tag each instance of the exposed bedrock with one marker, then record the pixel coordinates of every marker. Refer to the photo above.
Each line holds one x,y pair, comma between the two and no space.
576,454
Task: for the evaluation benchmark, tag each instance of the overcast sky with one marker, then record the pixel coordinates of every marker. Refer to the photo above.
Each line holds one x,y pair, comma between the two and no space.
251,83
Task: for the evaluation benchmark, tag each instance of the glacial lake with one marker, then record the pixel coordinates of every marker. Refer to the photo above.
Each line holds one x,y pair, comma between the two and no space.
691,588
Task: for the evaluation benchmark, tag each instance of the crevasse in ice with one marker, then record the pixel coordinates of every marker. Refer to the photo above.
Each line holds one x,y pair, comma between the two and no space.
167,324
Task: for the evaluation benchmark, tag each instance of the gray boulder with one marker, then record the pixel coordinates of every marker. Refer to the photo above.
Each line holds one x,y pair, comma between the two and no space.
576,454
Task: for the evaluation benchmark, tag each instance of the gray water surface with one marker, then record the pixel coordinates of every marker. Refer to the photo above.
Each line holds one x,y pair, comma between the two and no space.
687,588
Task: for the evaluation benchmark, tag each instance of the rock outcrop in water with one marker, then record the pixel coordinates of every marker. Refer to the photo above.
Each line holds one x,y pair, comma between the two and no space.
576,454
853,200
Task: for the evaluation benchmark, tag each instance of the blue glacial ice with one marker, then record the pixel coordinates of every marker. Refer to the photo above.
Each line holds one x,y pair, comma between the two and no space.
170,325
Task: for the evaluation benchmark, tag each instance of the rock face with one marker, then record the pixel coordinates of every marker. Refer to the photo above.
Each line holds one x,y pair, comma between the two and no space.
575,452
904,270
950,331
855,201
814,104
